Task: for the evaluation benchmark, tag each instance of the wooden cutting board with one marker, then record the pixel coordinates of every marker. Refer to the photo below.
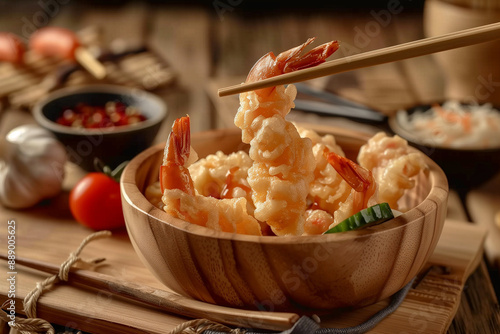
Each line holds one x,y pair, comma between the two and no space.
46,234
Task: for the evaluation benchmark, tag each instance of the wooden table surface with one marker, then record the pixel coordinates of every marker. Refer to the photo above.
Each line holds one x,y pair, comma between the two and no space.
216,44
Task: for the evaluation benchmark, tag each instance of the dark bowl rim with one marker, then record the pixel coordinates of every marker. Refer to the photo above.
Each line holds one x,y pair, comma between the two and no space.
399,130
99,88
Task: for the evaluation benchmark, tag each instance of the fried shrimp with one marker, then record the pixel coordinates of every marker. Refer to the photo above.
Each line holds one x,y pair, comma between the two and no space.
179,195
328,189
283,161
393,166
363,186
359,193
222,176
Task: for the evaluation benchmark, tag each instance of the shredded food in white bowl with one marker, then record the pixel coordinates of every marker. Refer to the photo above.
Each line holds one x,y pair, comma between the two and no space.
454,125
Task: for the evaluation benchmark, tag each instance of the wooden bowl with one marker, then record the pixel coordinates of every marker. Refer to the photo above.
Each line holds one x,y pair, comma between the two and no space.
302,273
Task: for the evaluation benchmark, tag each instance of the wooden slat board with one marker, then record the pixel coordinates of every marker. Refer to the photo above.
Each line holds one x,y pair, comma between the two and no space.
483,204
429,305
42,235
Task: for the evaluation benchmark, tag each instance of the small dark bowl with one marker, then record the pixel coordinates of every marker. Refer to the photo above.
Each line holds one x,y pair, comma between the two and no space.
465,168
111,145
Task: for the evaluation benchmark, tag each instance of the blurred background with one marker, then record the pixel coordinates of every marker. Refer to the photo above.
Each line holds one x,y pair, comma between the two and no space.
213,43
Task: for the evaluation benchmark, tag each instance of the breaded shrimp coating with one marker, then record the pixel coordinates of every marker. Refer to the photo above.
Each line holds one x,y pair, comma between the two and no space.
393,165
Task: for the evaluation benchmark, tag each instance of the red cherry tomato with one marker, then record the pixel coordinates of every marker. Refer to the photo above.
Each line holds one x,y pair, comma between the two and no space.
95,202
54,41
11,48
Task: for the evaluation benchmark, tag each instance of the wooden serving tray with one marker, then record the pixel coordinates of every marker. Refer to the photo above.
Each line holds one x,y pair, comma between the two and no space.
48,233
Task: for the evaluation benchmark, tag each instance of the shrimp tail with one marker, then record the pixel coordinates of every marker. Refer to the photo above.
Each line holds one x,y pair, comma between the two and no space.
294,53
359,178
356,176
291,60
173,173
313,58
179,142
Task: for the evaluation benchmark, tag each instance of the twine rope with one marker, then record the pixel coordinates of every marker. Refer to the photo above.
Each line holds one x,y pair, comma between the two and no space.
32,324
199,326
303,325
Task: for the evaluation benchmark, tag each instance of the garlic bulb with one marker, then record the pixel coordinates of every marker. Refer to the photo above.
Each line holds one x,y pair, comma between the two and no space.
34,169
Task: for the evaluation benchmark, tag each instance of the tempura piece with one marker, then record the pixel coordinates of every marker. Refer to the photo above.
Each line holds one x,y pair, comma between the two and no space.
179,195
283,162
393,166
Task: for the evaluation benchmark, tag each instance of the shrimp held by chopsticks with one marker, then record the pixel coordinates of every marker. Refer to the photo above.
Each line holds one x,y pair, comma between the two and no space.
179,195
283,164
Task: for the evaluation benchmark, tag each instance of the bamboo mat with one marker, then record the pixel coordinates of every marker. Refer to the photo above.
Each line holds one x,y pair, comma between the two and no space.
23,85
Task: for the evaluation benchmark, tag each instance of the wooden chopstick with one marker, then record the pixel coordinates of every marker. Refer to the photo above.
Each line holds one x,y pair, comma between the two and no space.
412,49
90,63
168,301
